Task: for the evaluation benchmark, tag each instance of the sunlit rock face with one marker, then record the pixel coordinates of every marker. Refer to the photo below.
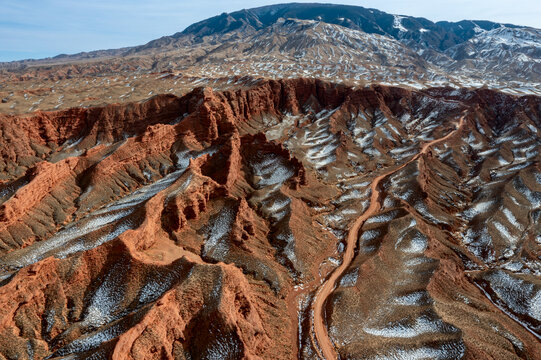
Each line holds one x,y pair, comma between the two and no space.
285,219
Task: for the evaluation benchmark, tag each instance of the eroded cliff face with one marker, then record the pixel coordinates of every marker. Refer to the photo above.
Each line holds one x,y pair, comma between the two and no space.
207,226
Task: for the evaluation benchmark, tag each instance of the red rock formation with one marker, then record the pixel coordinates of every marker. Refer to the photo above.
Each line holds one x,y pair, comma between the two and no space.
204,226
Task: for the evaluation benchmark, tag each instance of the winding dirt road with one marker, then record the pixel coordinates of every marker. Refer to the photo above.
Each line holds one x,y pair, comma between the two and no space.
319,327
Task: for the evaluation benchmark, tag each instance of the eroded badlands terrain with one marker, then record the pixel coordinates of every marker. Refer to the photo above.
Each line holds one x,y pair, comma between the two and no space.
280,219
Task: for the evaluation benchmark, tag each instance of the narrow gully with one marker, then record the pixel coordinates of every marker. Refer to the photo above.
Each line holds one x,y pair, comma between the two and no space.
320,334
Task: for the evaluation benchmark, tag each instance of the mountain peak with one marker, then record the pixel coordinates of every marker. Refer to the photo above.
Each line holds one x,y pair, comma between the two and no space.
443,35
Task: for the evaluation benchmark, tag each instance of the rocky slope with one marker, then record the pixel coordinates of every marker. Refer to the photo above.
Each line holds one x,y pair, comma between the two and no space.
281,219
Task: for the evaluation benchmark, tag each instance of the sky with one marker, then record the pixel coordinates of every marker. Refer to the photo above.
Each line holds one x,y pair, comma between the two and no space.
43,28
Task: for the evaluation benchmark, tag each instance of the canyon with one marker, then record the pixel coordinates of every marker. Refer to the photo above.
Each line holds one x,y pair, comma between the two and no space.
281,220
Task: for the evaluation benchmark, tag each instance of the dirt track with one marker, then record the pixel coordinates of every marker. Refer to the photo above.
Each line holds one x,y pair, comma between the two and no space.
319,327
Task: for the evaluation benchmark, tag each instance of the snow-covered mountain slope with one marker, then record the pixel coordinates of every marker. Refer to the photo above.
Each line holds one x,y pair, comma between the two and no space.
307,47
506,58
519,49
439,36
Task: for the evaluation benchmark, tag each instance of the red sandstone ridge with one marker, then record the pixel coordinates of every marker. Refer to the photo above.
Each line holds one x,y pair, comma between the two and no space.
290,219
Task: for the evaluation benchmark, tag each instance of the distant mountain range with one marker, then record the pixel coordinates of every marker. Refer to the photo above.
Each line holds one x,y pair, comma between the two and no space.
339,42
413,31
